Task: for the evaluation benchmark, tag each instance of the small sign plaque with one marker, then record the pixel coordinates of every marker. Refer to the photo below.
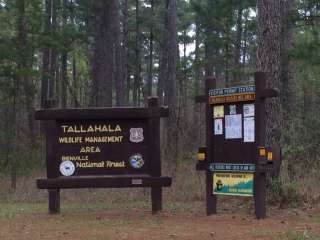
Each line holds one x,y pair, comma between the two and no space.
229,167
237,184
231,95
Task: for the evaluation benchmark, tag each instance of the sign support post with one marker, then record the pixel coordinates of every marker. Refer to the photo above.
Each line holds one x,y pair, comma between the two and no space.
211,199
154,153
54,194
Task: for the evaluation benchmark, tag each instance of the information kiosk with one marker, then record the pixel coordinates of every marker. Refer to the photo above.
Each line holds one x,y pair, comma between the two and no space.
236,159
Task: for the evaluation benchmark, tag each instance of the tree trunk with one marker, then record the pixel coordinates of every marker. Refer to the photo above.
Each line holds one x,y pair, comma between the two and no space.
171,83
125,53
209,47
137,69
269,60
64,64
150,69
163,58
75,82
103,56
245,39
237,52
118,56
227,55
286,46
46,56
198,86
53,52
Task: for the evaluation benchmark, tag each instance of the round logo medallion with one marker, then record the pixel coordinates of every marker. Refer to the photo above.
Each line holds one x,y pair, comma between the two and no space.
67,168
136,161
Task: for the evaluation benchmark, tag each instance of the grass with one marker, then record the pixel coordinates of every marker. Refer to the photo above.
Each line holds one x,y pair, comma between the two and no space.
12,209
305,235
9,210
316,218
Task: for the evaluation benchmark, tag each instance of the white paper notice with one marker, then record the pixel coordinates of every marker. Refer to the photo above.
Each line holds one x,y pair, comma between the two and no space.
218,128
233,126
248,128
248,110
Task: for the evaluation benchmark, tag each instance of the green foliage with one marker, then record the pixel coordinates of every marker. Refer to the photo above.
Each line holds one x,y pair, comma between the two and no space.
216,20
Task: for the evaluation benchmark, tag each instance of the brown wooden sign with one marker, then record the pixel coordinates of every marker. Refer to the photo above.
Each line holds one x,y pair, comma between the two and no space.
235,133
103,147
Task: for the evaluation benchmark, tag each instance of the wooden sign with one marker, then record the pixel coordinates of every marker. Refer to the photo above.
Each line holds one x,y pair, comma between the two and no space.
235,121
231,95
103,148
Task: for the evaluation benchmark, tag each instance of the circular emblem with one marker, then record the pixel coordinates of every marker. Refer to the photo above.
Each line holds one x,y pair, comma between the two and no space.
136,161
67,168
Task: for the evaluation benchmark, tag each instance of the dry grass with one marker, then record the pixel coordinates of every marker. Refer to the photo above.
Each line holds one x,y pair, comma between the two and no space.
188,185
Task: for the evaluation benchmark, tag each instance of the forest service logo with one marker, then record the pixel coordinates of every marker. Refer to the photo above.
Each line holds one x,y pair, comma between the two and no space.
136,135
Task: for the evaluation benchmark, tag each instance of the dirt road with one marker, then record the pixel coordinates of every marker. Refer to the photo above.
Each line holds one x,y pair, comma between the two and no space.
138,224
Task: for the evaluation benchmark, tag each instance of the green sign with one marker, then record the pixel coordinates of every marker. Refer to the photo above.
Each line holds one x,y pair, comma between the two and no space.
230,183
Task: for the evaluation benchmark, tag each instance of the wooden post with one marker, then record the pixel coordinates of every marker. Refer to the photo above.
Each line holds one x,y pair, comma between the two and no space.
210,197
260,132
52,172
154,154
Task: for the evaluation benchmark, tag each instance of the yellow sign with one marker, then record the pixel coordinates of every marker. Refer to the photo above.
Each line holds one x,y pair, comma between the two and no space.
218,111
262,152
239,184
201,156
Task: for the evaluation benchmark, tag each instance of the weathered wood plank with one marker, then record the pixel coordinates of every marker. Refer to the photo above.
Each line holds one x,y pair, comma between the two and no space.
103,182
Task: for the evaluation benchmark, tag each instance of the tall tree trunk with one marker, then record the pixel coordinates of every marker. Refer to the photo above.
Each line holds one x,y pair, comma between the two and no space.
53,52
125,53
269,60
163,71
227,56
119,66
151,39
237,51
137,69
171,82
245,40
75,81
64,80
20,78
209,46
198,85
64,63
286,46
103,56
46,56
25,62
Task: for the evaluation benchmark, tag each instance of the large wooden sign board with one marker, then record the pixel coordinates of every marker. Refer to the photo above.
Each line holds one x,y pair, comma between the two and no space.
236,160
103,148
